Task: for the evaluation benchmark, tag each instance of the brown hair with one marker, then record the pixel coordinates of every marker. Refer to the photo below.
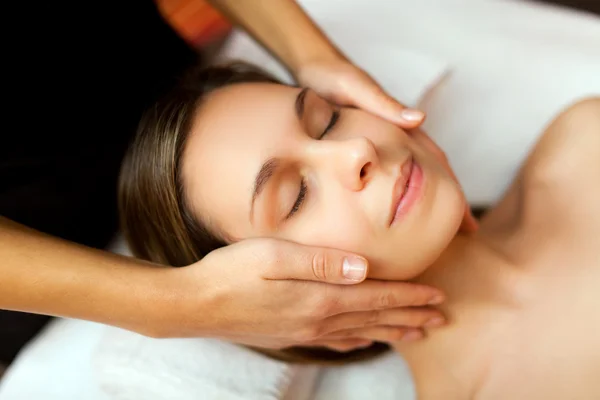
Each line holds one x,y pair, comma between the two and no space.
155,218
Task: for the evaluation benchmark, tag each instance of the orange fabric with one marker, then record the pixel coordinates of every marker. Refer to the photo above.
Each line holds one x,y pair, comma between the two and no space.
195,20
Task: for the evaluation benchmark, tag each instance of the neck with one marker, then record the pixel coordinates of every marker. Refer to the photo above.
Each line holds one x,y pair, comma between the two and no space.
481,286
472,271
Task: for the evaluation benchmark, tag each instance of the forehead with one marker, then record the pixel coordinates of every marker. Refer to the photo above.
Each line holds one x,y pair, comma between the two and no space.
234,131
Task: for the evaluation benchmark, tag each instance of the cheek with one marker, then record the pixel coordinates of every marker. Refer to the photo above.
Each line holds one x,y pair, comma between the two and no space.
337,225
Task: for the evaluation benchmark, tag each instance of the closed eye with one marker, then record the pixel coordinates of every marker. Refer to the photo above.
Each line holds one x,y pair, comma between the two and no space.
334,119
299,199
335,115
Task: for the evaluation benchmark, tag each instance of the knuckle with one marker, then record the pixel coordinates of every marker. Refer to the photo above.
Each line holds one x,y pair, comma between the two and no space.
324,306
272,251
347,333
416,319
267,253
331,306
411,317
313,313
386,300
319,266
373,318
394,335
300,336
310,333
420,296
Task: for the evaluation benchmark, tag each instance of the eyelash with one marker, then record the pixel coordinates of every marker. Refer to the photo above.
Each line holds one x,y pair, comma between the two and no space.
300,199
335,116
334,119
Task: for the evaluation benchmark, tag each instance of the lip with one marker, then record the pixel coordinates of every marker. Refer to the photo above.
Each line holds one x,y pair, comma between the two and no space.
406,190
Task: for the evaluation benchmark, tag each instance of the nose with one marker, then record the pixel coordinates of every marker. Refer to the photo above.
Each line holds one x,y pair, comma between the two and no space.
352,161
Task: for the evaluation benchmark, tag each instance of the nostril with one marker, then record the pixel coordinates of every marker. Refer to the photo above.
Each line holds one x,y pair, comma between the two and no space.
364,170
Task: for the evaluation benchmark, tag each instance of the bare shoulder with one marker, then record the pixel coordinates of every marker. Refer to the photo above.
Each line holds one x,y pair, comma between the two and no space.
569,151
561,177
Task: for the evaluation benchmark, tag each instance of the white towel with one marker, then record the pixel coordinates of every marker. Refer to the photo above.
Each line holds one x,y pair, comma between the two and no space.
129,366
385,378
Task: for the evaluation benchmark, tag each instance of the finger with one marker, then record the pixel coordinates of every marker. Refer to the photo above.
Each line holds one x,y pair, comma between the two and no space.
369,96
379,295
427,142
399,317
294,261
342,345
380,334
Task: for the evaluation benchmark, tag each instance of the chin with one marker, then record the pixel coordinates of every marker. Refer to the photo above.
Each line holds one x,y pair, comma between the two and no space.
412,256
436,225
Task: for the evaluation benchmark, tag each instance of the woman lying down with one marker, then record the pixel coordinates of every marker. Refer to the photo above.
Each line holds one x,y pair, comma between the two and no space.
232,154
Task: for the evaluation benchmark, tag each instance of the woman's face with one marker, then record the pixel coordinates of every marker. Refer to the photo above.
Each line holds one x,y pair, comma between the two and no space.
266,160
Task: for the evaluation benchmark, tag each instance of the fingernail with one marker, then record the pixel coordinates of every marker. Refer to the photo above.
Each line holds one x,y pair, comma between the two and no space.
436,300
411,115
354,268
435,322
412,336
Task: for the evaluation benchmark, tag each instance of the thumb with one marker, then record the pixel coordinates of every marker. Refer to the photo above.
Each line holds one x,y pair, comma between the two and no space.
320,264
371,97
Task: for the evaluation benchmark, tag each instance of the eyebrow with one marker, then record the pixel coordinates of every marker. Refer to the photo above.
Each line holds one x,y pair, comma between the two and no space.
267,170
269,167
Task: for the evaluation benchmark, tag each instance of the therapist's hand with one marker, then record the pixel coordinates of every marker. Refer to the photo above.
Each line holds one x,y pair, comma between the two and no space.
341,82
275,294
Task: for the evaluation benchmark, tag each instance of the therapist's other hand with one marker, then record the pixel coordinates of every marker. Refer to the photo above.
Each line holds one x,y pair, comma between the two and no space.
274,294
469,223
343,83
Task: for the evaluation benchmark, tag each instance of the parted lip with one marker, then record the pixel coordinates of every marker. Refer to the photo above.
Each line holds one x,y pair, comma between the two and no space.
400,187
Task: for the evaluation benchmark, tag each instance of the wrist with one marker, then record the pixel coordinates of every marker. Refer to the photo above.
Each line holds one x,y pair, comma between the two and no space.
178,304
307,58
134,296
